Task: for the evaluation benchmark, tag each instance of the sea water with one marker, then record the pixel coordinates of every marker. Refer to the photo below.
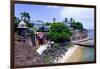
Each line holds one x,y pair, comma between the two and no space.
88,52
91,33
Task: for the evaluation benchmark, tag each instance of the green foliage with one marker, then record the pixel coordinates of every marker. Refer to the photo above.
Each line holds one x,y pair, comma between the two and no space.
31,31
59,32
25,16
17,21
41,29
55,46
47,24
77,25
29,24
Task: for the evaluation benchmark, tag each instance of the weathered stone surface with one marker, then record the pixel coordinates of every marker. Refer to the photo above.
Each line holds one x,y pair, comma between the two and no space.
25,55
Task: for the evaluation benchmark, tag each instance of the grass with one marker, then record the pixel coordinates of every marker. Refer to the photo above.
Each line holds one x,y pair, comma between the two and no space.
69,46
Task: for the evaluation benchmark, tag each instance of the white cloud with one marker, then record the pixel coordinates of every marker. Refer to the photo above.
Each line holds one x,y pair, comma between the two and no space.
84,15
77,12
52,6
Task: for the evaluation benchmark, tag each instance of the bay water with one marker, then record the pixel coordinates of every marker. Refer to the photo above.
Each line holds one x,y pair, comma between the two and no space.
88,52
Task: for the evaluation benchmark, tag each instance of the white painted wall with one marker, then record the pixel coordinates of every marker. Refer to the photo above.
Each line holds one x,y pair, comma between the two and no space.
5,34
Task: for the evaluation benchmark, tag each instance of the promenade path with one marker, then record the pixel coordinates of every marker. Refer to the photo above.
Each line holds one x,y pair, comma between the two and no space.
42,48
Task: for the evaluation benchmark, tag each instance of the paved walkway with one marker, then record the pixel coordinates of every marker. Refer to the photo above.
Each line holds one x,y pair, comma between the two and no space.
42,48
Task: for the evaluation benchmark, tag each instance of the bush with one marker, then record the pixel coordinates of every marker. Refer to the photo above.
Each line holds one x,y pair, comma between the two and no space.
77,25
59,32
47,24
17,21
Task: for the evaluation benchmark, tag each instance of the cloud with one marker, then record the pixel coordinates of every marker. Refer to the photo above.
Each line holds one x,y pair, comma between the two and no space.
52,6
77,12
84,15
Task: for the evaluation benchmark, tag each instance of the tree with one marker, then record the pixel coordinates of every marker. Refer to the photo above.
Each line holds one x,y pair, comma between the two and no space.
47,23
77,25
17,21
59,32
26,18
41,29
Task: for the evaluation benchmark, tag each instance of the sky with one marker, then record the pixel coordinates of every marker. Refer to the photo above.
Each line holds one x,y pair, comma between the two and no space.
46,13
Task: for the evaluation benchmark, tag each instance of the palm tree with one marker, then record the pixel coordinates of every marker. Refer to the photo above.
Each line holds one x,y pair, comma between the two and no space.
25,16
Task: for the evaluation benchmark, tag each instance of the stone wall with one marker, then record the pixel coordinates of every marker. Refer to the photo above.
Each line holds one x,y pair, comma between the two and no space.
78,35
